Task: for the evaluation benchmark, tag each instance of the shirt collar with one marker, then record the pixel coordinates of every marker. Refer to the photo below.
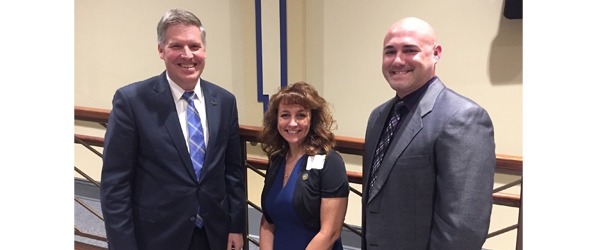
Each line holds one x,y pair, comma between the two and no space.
177,91
411,99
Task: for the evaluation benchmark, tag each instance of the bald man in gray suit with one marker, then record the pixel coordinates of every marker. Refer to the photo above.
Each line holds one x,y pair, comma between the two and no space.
430,186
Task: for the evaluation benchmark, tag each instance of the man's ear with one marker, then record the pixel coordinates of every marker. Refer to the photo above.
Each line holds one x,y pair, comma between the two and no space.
437,52
161,51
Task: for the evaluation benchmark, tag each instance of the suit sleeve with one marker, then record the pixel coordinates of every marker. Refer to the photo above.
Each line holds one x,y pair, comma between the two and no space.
465,164
119,161
235,176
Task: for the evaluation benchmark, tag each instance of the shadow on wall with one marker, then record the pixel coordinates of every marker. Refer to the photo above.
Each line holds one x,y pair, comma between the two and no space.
505,60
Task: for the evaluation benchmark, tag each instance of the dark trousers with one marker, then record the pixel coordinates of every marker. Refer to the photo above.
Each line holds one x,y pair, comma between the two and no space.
199,240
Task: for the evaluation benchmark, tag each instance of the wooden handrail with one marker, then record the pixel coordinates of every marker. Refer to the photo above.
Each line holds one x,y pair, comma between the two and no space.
509,164
91,114
504,163
506,199
499,198
91,140
250,132
350,145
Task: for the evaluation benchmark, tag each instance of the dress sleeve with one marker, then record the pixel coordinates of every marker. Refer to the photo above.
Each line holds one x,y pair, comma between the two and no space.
334,182
270,176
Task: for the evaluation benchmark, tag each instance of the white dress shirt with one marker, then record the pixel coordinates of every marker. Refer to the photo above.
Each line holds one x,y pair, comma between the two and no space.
181,109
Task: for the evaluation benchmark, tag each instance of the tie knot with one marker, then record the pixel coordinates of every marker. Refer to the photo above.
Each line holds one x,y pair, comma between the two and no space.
398,106
189,96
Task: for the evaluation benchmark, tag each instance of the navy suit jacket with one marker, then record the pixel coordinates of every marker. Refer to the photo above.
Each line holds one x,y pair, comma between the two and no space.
149,192
434,185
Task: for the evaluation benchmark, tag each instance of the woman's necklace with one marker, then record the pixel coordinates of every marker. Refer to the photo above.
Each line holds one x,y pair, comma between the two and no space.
290,163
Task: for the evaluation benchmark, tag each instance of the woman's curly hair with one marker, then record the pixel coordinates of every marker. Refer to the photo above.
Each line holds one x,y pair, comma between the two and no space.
320,138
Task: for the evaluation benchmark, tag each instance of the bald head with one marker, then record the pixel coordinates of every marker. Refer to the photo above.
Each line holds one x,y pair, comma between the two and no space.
415,27
409,55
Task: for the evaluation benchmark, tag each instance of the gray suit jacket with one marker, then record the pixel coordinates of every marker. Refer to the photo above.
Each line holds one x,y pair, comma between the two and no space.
434,186
149,192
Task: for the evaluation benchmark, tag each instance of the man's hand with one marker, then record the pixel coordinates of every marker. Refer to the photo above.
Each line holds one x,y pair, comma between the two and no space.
235,241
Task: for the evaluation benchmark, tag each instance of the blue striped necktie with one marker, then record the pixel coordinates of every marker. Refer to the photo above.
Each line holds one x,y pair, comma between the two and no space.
196,141
384,141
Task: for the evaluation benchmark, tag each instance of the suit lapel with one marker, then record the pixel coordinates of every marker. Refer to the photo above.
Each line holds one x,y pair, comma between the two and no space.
411,126
167,110
213,111
378,125
371,143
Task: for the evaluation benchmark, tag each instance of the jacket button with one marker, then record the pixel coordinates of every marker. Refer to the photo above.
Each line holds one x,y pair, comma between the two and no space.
193,218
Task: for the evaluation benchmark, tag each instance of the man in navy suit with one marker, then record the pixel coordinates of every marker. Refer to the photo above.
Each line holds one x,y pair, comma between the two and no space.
150,194
432,189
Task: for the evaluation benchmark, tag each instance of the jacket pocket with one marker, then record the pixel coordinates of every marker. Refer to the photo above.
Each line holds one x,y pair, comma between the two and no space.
146,214
413,160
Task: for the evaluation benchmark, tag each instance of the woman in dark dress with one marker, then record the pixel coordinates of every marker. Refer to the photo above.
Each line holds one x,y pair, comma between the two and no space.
305,195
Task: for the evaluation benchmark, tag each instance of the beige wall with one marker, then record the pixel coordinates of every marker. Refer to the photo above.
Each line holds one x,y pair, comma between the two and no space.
333,44
482,59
